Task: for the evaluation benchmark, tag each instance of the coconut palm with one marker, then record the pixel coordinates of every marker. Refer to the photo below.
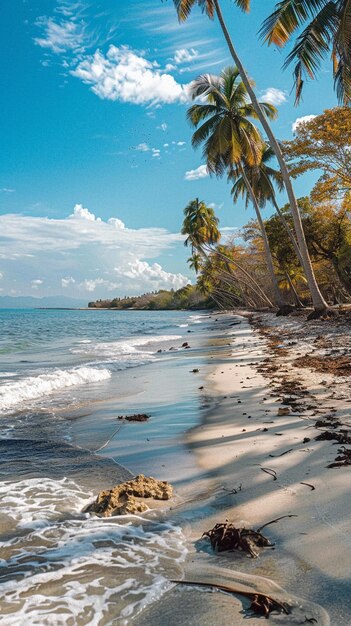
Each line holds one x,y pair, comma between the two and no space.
200,225
230,138
263,178
212,8
326,32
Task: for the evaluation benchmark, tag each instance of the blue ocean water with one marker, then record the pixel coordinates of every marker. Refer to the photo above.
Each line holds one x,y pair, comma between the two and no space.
43,353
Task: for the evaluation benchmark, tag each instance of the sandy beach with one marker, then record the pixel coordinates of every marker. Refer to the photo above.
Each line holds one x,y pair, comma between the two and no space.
257,460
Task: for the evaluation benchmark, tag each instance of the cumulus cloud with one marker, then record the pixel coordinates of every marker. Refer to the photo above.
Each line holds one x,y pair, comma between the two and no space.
302,120
274,96
80,252
163,127
127,76
200,172
152,274
7,190
84,214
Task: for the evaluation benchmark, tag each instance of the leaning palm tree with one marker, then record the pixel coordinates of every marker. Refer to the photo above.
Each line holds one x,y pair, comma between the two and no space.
326,32
212,8
263,178
200,226
231,139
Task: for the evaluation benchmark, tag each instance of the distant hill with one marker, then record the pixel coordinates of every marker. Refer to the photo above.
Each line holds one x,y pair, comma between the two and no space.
30,302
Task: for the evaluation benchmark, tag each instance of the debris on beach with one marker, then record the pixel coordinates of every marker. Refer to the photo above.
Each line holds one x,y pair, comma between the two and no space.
344,458
339,366
283,411
261,604
343,436
137,417
123,499
225,536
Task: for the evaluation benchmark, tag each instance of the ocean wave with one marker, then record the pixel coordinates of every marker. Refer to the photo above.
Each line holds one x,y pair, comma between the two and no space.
34,387
83,569
129,347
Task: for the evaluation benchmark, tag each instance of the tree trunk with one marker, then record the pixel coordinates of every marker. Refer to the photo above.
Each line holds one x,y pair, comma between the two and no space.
278,298
294,292
289,231
319,303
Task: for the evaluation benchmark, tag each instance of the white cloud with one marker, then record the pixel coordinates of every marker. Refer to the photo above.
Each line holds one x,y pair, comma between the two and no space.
180,143
274,96
302,120
127,76
66,282
7,190
80,212
163,127
60,36
80,252
116,223
36,283
142,147
185,55
1,275
153,274
200,172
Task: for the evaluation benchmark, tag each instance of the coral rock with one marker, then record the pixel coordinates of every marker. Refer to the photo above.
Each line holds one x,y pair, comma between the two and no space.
123,498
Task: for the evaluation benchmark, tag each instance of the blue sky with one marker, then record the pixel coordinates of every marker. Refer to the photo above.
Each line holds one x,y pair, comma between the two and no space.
96,160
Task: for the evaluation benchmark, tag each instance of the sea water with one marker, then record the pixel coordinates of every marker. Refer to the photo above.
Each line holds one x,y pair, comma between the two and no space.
59,565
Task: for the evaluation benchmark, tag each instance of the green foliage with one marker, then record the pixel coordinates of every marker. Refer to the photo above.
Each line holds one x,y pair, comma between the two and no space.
188,297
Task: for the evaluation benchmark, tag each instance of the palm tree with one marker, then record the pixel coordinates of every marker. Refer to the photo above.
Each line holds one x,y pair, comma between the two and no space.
327,32
262,178
230,138
201,227
212,7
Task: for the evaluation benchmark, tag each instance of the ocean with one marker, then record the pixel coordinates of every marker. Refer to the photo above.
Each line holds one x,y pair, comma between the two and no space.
65,376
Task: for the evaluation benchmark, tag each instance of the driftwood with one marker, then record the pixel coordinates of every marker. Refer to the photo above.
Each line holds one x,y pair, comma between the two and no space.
226,536
261,604
270,471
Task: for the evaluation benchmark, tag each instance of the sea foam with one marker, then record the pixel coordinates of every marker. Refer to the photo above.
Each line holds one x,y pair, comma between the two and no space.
34,387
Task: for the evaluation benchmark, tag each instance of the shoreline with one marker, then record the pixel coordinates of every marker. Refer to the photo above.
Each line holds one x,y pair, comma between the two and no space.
239,435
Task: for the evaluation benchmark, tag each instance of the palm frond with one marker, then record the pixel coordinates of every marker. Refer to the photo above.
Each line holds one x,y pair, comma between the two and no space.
288,16
311,46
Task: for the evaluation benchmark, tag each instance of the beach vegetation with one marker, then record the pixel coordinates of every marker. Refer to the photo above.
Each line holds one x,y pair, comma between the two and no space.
212,9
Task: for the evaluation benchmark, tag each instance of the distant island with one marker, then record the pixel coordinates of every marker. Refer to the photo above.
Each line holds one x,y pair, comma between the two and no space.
188,297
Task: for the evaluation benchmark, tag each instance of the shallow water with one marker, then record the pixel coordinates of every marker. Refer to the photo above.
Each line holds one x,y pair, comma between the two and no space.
64,378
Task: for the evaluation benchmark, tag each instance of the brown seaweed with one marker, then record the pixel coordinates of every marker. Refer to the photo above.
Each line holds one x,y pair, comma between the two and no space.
225,536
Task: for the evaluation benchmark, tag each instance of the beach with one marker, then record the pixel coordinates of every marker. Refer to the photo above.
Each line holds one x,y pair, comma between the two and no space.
229,419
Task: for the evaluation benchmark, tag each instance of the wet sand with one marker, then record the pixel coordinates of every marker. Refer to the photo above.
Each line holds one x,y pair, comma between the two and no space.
240,435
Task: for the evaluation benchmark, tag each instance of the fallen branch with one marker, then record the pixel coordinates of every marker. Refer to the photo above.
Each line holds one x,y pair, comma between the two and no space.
269,471
261,604
282,454
274,521
308,485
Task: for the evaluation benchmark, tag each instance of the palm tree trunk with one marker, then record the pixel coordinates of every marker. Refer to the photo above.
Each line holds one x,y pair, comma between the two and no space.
289,231
248,276
278,298
319,303
294,292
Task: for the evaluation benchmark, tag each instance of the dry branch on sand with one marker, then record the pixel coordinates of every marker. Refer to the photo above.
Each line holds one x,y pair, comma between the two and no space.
137,417
261,604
